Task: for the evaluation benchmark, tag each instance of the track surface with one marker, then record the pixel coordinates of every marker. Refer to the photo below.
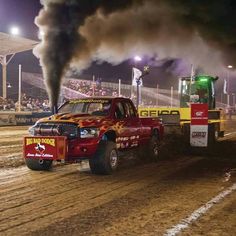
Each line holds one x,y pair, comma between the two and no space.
140,199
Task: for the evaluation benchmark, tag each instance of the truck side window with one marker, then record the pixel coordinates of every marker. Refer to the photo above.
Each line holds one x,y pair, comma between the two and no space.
131,110
127,113
119,111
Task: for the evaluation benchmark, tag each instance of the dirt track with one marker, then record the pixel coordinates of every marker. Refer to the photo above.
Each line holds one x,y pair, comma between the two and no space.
140,199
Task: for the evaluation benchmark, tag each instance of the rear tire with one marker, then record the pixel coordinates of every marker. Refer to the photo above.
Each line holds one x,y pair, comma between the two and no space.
213,135
221,134
150,151
105,160
154,148
36,164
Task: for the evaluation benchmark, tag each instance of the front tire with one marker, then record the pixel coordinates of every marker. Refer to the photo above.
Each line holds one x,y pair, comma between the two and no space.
105,160
37,164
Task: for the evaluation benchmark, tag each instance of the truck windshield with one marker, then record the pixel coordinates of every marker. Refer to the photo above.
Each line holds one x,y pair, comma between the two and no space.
200,90
96,107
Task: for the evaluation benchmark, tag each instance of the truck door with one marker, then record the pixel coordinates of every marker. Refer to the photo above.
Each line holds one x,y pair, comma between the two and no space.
125,129
132,123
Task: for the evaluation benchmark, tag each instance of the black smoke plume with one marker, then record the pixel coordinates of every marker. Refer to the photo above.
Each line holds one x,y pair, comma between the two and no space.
79,31
59,21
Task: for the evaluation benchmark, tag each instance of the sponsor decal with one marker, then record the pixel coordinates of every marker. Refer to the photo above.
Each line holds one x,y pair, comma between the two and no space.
199,113
125,142
45,147
199,134
21,119
126,138
40,148
38,155
48,141
157,112
90,101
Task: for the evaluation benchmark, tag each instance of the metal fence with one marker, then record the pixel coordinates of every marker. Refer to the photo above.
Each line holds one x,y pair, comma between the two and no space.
149,96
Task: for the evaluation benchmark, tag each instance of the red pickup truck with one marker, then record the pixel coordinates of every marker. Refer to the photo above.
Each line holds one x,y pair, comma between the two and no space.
97,128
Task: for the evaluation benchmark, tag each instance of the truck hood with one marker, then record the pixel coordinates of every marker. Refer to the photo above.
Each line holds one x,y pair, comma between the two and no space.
83,120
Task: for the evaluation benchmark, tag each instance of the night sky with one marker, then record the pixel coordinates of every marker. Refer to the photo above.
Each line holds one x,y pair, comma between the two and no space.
164,72
22,13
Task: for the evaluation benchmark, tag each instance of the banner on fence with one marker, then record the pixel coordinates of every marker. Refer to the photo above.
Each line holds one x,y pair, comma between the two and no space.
7,119
10,119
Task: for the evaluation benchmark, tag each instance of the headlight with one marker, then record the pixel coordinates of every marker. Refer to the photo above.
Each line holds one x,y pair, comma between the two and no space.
89,132
31,130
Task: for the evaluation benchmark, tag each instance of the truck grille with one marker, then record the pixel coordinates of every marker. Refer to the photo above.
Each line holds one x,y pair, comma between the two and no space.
57,129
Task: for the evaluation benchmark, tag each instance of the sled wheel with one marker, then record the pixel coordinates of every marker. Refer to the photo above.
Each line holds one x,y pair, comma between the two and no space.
37,164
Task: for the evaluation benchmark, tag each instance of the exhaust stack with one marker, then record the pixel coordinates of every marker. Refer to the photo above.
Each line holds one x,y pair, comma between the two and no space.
54,109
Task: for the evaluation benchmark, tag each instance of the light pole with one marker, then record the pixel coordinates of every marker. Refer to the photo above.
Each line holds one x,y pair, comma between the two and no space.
19,92
157,95
228,85
93,85
119,88
171,95
233,94
4,62
138,81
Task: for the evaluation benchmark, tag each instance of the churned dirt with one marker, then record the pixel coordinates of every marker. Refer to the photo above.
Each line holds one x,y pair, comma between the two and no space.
139,199
11,141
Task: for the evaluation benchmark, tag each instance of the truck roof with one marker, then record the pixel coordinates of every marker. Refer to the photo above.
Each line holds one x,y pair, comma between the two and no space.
98,97
197,77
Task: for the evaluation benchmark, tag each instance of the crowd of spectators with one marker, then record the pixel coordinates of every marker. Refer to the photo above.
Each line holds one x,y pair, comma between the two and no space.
90,88
27,104
30,103
7,104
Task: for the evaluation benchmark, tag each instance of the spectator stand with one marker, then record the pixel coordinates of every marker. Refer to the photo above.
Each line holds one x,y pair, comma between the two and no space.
9,46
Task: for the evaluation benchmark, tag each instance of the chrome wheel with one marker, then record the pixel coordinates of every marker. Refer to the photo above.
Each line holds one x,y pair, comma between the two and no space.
216,135
156,150
113,159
